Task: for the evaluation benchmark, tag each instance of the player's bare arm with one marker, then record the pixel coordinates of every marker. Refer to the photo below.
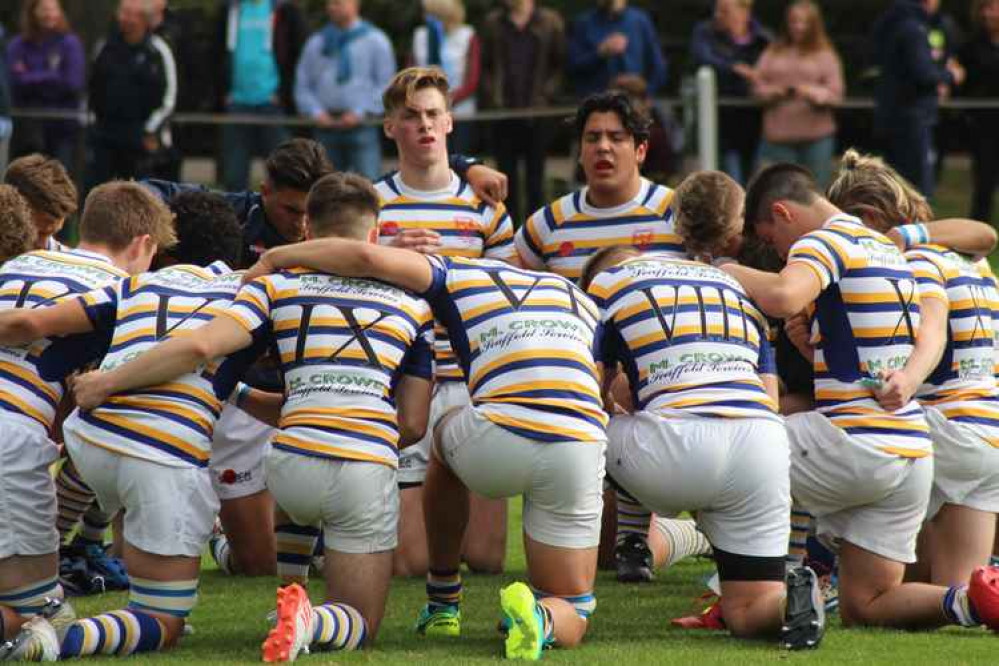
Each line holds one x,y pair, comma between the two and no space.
23,326
412,401
349,258
780,295
969,237
899,386
177,356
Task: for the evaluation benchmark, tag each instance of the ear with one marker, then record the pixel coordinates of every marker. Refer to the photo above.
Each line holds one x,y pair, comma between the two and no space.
373,234
450,123
641,151
780,212
388,127
308,230
265,188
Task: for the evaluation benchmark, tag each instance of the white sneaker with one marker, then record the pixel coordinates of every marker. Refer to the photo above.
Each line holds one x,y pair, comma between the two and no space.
37,641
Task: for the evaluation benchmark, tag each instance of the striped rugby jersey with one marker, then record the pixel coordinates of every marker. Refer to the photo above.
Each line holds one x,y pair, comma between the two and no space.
170,424
963,385
30,377
688,337
866,317
561,236
343,345
526,343
468,228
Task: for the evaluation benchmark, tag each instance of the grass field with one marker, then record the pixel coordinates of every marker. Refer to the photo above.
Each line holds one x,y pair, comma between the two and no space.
631,626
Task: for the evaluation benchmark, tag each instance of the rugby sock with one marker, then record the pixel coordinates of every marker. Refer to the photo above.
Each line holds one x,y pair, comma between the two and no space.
797,547
221,553
683,539
74,498
176,598
547,623
338,627
957,607
443,588
994,561
121,632
95,524
632,517
296,545
28,600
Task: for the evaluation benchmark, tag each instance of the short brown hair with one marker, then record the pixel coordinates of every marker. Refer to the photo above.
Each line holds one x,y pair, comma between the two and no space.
118,211
873,191
17,231
44,183
603,259
705,204
337,205
404,85
297,164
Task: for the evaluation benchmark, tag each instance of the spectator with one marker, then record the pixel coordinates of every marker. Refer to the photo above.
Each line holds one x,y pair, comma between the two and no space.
908,90
661,156
133,88
611,40
259,43
446,41
6,124
339,82
945,37
799,79
46,64
981,58
523,54
731,43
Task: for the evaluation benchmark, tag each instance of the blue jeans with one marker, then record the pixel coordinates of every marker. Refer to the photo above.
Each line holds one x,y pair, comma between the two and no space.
241,143
358,150
814,155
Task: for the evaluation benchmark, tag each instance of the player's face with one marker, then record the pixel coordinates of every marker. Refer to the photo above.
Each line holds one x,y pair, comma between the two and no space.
420,129
46,226
285,210
608,154
779,230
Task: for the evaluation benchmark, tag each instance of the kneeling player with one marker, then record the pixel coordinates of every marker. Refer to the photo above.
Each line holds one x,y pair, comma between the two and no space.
349,350
705,434
535,428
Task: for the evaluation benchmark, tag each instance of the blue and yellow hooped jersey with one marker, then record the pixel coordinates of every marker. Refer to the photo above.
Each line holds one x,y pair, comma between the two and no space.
687,336
31,377
172,423
562,236
526,342
963,385
343,344
866,318
468,227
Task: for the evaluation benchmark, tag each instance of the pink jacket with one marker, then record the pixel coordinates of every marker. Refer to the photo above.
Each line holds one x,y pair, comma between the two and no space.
807,113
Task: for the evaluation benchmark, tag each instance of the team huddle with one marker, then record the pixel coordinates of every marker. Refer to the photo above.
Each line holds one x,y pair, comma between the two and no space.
398,360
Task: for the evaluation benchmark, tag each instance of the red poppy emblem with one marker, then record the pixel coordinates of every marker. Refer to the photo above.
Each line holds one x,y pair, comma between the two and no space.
642,238
228,477
389,229
565,249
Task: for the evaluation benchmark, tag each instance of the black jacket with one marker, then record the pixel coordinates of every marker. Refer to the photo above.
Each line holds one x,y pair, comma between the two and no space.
133,89
907,87
290,33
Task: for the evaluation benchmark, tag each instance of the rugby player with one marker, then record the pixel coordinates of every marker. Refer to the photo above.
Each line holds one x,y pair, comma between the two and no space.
17,231
50,193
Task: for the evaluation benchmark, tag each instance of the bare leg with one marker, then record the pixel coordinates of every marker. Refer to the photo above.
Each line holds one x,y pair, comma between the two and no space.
960,540
411,558
484,549
752,609
166,569
564,572
248,523
361,581
445,507
20,571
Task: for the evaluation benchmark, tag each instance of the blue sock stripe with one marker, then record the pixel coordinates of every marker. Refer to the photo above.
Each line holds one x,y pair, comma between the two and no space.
289,558
139,606
163,592
102,635
122,633
18,595
350,628
150,632
317,633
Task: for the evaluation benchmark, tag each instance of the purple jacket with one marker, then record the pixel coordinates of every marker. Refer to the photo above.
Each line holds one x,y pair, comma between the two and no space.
48,74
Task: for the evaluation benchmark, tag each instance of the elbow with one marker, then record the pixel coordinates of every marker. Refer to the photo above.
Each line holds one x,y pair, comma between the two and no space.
780,303
411,430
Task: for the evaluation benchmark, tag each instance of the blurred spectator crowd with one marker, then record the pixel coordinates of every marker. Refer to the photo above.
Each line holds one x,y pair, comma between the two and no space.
521,55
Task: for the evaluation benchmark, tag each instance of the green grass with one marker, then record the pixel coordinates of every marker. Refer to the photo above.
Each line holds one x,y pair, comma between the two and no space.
631,626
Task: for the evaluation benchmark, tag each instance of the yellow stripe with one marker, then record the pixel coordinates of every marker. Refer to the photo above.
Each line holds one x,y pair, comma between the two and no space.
160,435
31,378
546,427
326,449
539,354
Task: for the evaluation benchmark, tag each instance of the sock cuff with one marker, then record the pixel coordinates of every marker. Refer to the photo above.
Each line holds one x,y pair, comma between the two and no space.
176,598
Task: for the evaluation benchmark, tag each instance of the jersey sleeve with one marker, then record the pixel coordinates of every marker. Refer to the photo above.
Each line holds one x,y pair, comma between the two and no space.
767,362
929,276
419,361
251,308
530,241
823,253
101,305
499,235
438,282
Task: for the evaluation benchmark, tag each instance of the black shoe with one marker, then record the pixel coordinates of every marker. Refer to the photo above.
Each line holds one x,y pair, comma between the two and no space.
633,560
805,613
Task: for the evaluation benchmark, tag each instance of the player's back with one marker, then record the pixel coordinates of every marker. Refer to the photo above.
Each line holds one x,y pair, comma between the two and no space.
526,342
171,423
33,280
867,317
562,235
343,344
688,337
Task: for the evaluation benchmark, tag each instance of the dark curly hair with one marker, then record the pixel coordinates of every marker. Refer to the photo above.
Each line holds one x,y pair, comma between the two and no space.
297,164
636,122
17,231
207,229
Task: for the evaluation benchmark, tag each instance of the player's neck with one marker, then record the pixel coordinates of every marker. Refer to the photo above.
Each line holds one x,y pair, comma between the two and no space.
427,178
612,198
116,258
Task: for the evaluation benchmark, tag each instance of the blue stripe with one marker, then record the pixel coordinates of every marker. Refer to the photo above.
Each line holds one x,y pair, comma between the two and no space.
161,592
139,438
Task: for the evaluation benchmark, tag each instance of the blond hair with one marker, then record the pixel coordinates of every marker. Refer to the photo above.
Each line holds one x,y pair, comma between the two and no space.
450,12
706,204
404,85
17,231
119,211
873,191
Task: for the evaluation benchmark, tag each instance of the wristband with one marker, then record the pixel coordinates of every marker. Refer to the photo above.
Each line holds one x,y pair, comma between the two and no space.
914,234
239,394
